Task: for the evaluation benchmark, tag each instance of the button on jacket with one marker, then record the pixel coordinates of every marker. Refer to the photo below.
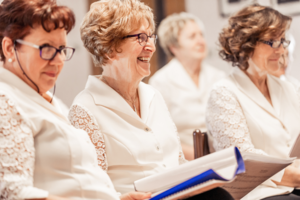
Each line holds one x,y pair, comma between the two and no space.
128,147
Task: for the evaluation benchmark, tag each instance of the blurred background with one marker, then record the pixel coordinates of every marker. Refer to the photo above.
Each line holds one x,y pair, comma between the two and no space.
213,13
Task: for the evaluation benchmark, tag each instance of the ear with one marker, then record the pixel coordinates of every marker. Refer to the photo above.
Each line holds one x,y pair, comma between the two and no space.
173,49
8,48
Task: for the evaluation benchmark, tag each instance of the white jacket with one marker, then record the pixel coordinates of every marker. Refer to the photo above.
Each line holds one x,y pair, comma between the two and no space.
186,102
41,153
238,114
128,147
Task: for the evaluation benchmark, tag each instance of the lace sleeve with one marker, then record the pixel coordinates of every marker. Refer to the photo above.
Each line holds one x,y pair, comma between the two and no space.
81,118
226,122
17,155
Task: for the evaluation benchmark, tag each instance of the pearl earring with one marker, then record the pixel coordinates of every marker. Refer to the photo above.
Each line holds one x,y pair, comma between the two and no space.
10,60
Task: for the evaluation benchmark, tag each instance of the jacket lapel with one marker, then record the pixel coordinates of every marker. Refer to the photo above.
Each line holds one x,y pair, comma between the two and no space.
10,78
244,84
104,95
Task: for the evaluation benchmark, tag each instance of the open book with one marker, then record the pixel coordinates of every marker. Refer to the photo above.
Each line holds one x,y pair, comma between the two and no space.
194,177
259,168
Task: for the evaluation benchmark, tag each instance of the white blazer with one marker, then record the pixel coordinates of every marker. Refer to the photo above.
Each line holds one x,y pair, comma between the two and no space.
61,160
186,102
128,147
238,114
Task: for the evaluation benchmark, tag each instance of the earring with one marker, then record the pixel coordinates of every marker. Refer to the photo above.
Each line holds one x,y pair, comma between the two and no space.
10,60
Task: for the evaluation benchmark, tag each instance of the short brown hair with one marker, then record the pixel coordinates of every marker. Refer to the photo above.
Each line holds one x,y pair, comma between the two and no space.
18,15
108,21
249,25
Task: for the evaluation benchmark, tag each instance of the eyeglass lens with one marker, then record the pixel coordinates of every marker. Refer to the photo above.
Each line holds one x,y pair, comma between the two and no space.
48,53
276,44
144,37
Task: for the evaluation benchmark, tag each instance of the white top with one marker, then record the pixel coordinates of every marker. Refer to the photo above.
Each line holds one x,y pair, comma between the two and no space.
128,147
186,102
41,153
238,114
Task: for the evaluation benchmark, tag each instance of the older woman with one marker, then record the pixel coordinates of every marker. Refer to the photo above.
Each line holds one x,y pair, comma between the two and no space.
127,120
185,82
42,156
250,109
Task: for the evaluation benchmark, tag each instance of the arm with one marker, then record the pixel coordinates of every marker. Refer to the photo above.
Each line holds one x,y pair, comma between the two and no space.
226,122
81,118
17,154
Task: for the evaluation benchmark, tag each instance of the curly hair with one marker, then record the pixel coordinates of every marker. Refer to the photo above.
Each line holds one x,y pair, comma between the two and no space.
17,16
248,26
107,22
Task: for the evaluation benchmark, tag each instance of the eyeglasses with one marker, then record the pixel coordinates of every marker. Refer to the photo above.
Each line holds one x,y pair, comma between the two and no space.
49,52
276,43
143,38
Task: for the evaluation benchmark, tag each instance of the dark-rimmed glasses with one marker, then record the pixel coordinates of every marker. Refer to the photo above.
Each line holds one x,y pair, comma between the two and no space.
143,38
48,52
276,43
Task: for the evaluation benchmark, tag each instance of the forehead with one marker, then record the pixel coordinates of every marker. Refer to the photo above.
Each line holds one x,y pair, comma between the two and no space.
144,27
190,27
55,37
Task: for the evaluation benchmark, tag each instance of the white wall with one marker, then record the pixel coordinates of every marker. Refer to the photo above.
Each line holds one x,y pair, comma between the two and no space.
75,72
208,12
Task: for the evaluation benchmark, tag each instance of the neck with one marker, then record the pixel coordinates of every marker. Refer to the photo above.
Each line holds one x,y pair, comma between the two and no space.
257,76
127,88
192,67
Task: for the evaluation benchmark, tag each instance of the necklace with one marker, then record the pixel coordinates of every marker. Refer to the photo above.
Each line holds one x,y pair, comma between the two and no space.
131,101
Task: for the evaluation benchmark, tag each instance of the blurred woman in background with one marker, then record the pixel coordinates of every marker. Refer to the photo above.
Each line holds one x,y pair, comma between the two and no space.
185,82
251,109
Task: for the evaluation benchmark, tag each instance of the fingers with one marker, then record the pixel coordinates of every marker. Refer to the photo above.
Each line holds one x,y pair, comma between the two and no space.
140,195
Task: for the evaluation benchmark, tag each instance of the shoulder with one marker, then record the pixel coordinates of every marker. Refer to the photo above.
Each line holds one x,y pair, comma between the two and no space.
84,97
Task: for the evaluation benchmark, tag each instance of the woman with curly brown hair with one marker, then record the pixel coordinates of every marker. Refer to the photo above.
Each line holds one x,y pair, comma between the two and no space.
251,109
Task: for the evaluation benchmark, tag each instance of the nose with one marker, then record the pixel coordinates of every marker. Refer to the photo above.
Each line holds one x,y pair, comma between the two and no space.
150,46
57,60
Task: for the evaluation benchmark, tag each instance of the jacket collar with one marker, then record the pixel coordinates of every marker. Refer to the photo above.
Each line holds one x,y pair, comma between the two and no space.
278,98
104,95
18,84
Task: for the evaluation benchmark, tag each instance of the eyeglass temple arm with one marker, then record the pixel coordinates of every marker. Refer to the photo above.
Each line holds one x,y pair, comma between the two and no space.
27,43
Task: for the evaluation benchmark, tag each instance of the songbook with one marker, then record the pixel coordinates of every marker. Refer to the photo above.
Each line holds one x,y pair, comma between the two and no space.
295,150
194,177
259,168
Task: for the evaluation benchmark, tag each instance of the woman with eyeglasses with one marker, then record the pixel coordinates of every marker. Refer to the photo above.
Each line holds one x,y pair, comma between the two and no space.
42,156
251,109
126,120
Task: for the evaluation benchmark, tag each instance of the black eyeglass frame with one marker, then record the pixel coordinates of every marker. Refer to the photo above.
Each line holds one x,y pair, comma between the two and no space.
41,49
271,42
138,35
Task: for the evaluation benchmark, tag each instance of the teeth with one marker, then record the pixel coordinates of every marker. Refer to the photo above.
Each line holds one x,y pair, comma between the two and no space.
144,59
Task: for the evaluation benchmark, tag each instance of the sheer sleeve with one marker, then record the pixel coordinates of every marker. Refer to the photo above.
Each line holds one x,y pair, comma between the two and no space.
17,154
226,122
81,118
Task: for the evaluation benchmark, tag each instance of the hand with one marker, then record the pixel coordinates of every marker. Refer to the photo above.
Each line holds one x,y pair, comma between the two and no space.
135,196
291,177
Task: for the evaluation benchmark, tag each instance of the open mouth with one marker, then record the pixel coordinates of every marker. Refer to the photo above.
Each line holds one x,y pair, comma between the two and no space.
144,59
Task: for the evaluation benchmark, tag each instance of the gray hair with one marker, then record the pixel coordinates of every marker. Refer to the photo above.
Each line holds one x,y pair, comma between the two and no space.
170,27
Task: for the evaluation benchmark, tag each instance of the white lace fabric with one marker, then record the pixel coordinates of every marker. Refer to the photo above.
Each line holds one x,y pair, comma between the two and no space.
17,153
226,121
81,118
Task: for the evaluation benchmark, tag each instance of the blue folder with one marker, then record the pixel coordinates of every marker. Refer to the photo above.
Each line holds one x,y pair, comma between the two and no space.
201,178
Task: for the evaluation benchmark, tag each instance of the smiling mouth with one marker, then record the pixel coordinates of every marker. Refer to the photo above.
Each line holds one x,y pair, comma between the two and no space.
144,59
50,74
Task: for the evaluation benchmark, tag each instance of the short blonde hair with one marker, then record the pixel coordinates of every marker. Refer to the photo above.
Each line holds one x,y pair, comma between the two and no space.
170,27
107,22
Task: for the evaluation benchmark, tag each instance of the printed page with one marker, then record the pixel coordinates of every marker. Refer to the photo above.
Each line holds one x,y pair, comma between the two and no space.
256,173
295,151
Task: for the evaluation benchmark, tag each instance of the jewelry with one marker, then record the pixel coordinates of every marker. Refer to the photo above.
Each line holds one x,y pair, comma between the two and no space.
9,60
118,91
